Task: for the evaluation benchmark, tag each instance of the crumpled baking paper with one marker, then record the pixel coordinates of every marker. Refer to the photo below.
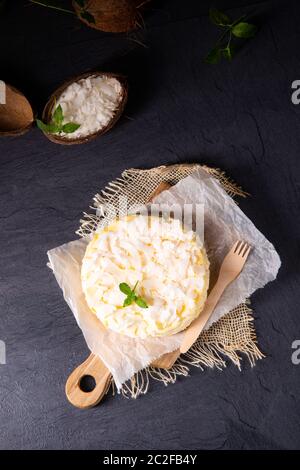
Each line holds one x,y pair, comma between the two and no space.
224,223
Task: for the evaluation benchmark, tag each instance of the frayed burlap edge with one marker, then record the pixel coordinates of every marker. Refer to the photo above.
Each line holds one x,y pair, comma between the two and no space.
229,337
138,185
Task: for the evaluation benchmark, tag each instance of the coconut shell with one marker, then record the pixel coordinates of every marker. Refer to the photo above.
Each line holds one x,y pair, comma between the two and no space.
47,113
16,115
113,16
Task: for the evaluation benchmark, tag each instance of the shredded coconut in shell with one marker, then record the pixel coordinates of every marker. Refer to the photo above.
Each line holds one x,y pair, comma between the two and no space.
90,102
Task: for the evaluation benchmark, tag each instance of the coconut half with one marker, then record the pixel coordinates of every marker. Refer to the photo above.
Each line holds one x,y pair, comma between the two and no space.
16,115
49,109
114,16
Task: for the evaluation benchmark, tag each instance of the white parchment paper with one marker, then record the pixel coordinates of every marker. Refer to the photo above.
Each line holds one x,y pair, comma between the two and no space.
224,223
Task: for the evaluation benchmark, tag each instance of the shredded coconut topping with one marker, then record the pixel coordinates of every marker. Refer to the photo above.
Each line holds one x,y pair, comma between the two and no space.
169,264
90,102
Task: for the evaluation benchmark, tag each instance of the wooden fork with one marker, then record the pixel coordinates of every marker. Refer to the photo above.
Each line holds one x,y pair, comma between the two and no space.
231,267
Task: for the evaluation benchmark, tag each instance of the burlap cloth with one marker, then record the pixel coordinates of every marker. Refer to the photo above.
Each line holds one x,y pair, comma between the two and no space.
230,336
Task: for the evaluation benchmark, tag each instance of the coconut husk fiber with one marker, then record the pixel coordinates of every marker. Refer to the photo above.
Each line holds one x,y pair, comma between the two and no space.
114,16
48,110
16,115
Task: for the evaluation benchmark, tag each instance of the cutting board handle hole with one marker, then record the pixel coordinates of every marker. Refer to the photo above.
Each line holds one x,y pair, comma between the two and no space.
87,383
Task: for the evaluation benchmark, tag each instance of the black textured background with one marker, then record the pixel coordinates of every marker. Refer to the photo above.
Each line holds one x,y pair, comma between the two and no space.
238,117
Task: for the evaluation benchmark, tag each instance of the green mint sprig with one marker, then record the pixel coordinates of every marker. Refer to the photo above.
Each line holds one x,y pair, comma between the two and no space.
84,13
131,295
56,125
224,46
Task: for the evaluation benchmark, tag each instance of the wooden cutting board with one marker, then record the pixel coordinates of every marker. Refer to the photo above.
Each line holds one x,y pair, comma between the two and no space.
95,369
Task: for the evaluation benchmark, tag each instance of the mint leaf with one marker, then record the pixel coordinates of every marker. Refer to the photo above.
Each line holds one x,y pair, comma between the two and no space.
141,302
131,296
48,128
70,127
227,52
218,18
224,47
41,125
53,128
58,116
213,56
244,30
129,299
125,288
85,15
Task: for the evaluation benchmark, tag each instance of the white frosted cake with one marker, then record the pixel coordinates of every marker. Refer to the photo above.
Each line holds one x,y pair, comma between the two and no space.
166,264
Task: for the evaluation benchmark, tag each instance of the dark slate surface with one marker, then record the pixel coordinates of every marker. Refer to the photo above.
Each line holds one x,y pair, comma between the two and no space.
238,117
